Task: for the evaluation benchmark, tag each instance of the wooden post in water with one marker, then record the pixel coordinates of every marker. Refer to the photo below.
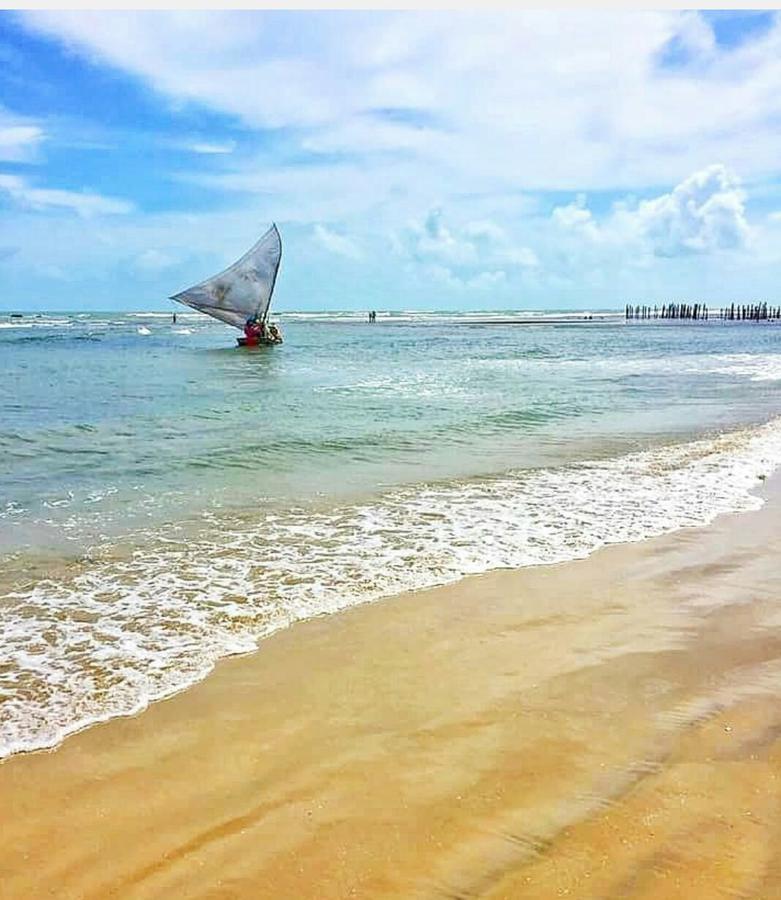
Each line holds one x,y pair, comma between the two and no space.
759,311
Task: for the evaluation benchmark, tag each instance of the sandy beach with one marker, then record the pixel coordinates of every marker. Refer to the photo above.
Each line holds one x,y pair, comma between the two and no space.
602,728
390,454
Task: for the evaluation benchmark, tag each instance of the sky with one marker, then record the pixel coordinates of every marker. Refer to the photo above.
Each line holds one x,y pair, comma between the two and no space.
411,160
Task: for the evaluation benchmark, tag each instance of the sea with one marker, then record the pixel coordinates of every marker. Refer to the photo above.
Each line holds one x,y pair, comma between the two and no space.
168,499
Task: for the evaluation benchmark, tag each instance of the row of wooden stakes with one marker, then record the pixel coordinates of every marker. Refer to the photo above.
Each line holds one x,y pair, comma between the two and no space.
751,312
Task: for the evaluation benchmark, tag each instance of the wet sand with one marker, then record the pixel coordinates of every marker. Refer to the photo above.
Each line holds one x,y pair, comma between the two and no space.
603,728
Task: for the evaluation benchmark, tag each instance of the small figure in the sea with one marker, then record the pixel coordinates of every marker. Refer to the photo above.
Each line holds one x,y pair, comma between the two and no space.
174,317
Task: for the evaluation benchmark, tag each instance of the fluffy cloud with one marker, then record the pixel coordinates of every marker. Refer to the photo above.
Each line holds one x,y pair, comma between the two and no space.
432,239
83,204
472,256
211,57
474,243
368,121
336,243
576,217
704,213
563,99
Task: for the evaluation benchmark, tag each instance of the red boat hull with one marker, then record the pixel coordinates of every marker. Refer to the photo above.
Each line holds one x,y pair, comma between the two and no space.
257,342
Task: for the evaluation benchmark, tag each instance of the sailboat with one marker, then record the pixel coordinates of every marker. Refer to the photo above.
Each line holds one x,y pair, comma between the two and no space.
241,295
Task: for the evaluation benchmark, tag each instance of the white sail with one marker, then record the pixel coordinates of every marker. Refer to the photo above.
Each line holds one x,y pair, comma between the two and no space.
244,289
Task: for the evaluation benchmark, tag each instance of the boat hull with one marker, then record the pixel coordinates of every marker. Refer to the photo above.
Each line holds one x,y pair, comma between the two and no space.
258,342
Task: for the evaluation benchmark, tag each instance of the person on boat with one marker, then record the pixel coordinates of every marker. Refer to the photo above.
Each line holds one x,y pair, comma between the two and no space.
273,333
253,331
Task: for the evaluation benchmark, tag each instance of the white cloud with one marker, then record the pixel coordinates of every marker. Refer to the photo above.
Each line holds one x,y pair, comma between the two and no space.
331,191
524,257
336,243
485,230
153,261
84,204
471,256
480,281
540,99
704,213
19,138
493,243
432,239
232,61
210,148
370,133
577,217
367,121
471,245
485,280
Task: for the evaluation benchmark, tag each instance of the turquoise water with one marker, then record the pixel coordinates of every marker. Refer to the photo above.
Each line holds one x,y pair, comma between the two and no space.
166,499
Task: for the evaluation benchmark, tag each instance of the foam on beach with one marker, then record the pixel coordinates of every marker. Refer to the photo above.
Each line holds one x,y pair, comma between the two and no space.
138,621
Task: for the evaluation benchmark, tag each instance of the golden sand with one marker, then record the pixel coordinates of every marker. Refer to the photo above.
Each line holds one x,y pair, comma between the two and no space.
603,728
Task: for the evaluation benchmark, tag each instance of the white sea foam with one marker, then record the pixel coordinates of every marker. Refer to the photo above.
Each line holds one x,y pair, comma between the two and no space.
165,315
126,629
38,322
755,366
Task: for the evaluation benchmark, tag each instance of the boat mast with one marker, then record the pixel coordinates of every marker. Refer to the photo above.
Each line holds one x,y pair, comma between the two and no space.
267,313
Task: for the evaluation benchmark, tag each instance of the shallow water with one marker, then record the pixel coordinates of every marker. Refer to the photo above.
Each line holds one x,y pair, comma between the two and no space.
167,499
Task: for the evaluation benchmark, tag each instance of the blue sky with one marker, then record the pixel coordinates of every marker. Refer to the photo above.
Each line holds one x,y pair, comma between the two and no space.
411,160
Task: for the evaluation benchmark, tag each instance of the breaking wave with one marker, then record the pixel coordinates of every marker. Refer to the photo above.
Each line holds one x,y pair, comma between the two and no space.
137,622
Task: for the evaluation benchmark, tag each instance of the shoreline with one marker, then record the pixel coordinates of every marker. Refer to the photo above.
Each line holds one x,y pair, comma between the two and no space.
737,492
483,738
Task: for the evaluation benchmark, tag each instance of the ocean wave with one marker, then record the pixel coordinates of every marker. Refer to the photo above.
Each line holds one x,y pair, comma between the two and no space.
167,315
754,366
132,624
757,367
37,323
